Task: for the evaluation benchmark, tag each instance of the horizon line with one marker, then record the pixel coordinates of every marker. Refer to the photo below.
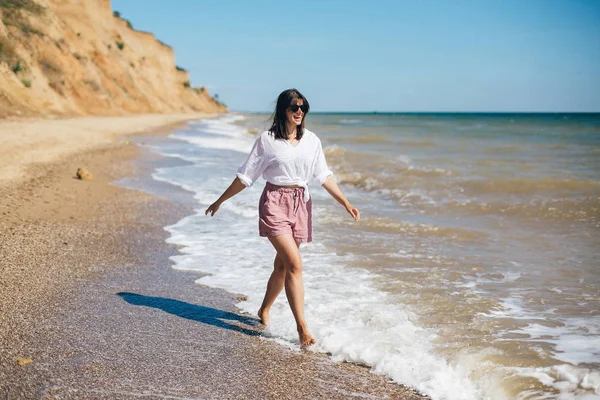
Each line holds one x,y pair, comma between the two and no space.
430,112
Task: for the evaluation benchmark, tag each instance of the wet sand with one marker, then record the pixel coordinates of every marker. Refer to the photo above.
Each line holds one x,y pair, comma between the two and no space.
92,308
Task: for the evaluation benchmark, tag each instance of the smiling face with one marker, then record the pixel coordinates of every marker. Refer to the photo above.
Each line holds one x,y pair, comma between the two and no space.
290,113
295,117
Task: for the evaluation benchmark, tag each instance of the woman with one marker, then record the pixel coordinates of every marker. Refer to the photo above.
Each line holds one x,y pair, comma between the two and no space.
287,156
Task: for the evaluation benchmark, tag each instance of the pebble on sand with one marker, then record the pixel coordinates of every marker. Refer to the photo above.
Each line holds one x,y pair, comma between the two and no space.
84,174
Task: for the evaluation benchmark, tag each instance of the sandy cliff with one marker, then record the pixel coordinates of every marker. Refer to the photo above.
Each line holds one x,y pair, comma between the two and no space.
75,57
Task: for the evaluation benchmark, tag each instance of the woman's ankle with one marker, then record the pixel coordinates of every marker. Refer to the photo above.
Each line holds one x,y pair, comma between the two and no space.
302,327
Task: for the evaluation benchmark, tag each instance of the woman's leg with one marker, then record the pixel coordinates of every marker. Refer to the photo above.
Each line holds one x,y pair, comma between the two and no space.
274,287
287,250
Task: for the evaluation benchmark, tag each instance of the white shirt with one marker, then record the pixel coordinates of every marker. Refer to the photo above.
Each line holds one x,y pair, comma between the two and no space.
282,164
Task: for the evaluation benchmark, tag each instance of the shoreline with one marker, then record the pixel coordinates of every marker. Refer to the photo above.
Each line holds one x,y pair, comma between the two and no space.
90,299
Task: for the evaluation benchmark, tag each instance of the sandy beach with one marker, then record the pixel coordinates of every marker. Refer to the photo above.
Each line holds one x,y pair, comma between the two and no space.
28,142
91,307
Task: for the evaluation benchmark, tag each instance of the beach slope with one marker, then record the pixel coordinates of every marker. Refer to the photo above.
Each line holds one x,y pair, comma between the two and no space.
91,307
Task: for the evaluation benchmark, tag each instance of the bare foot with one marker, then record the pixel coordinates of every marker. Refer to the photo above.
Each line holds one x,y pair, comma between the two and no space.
264,316
306,339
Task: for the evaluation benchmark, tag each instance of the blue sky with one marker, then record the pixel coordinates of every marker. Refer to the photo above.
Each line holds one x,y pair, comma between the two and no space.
454,55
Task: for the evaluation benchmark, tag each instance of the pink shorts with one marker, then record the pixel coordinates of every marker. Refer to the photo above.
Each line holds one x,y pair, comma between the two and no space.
282,211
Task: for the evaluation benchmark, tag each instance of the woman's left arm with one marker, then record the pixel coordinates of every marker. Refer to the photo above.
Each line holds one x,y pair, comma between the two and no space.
332,188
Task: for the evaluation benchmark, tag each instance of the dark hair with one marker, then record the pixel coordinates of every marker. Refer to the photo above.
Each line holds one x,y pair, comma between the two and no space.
279,126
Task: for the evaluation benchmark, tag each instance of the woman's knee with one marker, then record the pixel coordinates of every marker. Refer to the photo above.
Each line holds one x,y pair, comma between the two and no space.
294,267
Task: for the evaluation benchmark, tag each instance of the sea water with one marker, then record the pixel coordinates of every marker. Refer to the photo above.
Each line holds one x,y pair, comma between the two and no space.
474,272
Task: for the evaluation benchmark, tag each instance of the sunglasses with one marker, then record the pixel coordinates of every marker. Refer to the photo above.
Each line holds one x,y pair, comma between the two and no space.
295,107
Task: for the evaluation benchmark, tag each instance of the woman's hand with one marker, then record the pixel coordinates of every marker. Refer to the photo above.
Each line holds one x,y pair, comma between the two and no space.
213,208
353,211
335,192
236,186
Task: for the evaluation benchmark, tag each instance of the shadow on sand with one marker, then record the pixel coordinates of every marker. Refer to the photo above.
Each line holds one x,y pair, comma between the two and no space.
206,315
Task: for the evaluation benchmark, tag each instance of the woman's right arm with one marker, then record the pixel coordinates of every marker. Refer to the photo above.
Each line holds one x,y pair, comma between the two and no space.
247,174
233,189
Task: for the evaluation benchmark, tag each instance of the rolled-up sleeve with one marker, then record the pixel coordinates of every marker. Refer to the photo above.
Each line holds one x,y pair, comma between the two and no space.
254,165
321,170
